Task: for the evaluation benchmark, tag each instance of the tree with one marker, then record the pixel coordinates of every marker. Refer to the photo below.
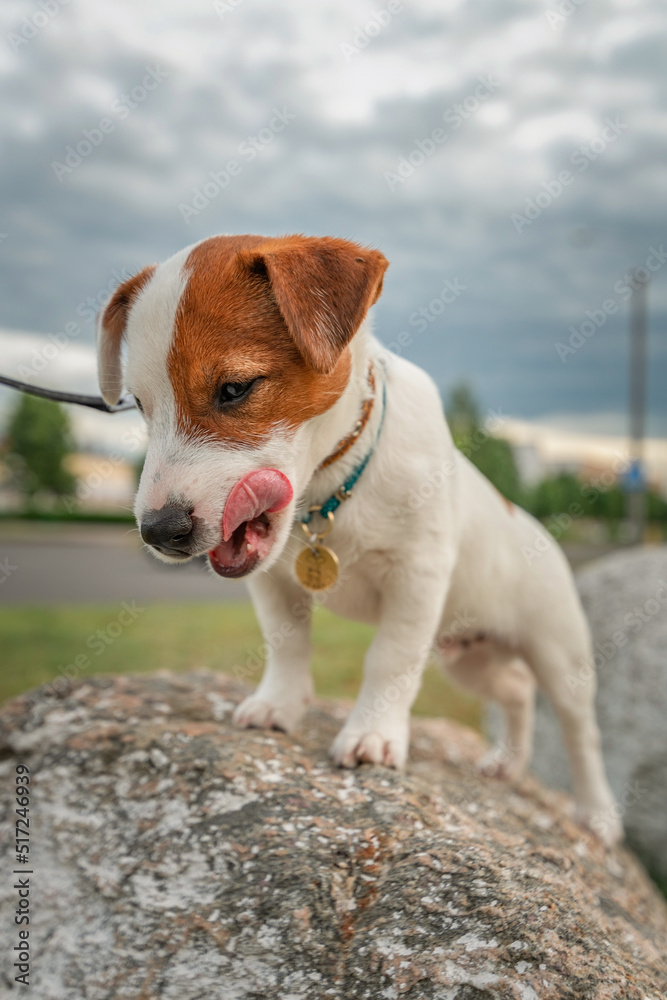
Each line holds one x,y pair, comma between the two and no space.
493,456
657,507
462,411
565,493
39,438
558,494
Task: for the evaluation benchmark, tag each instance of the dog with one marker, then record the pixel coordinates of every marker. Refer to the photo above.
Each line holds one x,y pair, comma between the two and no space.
287,444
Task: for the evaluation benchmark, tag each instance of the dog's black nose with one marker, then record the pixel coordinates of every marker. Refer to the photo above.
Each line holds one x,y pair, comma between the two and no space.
170,530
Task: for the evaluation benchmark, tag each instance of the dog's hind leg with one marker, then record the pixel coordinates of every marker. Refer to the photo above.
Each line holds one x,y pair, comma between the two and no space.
569,682
494,673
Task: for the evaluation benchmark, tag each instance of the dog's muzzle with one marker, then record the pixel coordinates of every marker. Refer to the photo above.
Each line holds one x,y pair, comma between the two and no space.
170,530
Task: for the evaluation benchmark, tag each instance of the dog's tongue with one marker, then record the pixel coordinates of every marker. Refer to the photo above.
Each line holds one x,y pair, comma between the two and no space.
259,492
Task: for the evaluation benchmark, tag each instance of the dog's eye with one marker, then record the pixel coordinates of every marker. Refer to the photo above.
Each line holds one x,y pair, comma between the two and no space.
138,404
234,392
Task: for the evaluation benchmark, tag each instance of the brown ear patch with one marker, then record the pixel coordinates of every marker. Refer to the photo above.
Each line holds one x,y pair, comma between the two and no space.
323,288
111,328
230,327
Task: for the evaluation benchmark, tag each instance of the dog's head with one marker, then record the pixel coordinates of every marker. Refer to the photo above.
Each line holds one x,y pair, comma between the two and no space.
234,347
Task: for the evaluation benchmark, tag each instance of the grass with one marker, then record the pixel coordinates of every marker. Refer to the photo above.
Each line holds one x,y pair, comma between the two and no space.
39,643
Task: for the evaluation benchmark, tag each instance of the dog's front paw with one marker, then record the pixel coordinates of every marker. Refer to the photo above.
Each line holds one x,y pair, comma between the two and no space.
388,746
261,712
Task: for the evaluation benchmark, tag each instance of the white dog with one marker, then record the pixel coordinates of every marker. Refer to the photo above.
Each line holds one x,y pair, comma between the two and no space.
266,396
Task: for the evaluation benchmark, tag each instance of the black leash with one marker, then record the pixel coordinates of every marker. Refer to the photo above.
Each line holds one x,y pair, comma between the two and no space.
94,402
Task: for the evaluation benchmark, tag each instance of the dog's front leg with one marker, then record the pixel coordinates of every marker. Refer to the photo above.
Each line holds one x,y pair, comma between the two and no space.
286,688
378,728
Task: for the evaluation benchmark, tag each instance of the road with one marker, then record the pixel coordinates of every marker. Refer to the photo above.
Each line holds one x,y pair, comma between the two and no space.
42,563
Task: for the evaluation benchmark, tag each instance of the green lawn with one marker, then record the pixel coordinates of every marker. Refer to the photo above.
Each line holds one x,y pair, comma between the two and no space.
39,643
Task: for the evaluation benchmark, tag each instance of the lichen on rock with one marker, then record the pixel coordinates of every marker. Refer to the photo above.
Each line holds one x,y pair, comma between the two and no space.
178,857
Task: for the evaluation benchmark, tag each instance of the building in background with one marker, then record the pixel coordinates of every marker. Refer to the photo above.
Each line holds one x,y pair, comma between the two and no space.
542,451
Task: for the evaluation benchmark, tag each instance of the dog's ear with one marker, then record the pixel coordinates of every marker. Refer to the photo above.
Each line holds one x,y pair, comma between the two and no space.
111,323
323,287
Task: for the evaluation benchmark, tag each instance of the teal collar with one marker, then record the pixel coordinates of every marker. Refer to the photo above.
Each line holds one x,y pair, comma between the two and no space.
344,492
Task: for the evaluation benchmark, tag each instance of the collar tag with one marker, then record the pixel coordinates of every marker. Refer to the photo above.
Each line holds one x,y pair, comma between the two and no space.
317,565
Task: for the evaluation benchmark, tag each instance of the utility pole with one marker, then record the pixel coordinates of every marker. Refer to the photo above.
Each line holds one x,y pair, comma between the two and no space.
635,480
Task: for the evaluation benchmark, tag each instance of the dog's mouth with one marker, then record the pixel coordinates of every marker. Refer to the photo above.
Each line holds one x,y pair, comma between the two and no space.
244,550
248,531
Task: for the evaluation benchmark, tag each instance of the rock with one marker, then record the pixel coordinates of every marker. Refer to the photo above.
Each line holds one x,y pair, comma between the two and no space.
625,597
179,858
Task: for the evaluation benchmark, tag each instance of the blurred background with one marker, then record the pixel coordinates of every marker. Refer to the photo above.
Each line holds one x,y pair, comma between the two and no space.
507,158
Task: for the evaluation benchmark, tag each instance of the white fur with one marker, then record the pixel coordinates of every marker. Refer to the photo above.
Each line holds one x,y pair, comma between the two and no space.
428,551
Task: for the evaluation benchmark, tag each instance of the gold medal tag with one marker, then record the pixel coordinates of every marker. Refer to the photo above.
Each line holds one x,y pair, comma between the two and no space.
317,567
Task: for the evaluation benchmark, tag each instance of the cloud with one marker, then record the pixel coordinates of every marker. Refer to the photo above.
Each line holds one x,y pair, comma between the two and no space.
357,117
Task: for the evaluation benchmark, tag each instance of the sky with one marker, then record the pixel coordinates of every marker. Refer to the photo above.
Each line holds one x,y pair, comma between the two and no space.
507,157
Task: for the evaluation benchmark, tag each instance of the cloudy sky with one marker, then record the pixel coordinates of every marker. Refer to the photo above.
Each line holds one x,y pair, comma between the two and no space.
508,158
